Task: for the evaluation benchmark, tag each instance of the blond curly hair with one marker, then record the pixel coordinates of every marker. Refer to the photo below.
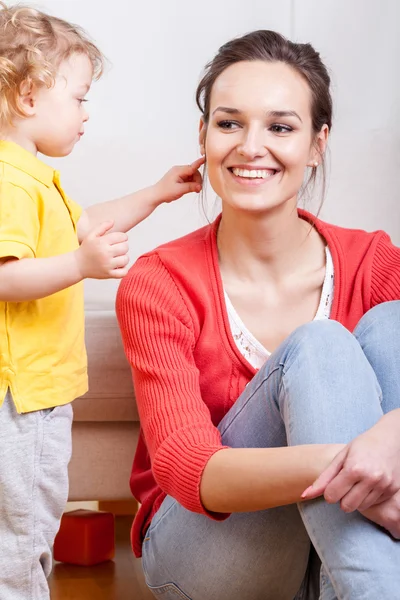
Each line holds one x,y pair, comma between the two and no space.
32,46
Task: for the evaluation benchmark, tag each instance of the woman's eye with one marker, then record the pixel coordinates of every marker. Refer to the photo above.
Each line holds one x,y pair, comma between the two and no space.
281,128
81,100
227,124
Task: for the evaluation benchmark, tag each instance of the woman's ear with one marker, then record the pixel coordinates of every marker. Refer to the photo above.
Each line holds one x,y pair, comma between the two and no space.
319,147
202,137
322,139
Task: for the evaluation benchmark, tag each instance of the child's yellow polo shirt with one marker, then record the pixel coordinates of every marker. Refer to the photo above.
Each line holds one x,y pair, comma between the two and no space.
42,349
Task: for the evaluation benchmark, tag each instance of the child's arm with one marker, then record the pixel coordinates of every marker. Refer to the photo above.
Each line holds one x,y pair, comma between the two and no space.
102,255
130,210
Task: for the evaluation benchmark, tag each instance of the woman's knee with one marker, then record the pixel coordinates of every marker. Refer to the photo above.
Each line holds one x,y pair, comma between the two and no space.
382,323
321,339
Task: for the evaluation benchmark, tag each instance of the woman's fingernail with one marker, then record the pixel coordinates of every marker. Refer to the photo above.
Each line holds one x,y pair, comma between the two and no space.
305,493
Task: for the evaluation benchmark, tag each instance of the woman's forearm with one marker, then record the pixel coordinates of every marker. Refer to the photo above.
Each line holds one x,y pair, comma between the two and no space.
249,479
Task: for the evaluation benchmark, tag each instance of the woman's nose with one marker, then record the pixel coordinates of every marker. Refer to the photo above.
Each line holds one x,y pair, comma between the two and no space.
252,145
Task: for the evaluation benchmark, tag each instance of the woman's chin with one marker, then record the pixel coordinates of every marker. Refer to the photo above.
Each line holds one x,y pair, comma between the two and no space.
252,204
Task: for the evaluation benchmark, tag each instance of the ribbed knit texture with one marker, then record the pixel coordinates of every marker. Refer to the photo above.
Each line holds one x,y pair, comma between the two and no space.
385,275
186,367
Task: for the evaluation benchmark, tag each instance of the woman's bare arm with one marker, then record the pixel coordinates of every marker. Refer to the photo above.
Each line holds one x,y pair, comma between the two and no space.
250,479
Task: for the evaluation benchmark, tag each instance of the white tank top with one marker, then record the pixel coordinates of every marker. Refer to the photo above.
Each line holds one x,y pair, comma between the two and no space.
252,350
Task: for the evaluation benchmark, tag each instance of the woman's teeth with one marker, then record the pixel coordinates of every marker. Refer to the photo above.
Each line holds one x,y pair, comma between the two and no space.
254,173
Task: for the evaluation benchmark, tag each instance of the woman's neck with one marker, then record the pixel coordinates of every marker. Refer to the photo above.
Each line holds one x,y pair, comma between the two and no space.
267,247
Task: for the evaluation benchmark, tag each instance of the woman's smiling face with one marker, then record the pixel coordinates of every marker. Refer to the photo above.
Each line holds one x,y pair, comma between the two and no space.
259,138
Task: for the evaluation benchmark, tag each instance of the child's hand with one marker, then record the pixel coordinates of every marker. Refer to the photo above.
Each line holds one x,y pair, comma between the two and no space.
103,255
179,181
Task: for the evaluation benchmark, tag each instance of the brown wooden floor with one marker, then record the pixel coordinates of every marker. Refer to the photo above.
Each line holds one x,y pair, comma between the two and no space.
121,579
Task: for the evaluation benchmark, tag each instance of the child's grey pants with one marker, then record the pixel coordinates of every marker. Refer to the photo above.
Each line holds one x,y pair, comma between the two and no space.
35,449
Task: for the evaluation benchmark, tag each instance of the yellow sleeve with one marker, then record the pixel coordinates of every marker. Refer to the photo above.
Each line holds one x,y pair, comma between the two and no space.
19,222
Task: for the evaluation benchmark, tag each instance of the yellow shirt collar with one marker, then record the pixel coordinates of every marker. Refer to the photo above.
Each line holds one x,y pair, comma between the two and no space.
18,157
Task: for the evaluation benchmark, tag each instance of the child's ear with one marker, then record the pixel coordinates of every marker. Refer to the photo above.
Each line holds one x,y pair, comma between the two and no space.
202,136
27,98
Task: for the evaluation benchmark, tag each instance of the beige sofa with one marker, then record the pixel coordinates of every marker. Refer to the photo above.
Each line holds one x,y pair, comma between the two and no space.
106,423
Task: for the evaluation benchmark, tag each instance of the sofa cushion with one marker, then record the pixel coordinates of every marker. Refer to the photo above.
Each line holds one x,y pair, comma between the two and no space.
101,463
110,396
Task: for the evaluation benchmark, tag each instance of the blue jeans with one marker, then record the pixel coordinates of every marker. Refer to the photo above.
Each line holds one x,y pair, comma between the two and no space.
322,385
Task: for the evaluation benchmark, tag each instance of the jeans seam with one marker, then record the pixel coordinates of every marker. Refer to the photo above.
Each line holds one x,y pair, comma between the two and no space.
363,330
264,379
170,587
316,544
288,427
154,527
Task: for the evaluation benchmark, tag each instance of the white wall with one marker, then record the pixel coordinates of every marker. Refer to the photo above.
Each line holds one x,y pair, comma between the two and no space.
360,42
144,119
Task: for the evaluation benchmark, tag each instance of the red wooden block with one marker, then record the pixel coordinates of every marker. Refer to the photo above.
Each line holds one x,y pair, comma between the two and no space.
85,537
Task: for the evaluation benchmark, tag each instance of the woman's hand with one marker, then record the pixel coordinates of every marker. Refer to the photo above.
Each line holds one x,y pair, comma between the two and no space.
366,472
387,515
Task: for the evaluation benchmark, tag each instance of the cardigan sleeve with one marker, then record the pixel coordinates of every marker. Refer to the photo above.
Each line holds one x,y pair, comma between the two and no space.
158,336
385,275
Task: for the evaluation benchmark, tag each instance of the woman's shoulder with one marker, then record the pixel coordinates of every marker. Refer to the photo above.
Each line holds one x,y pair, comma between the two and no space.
350,239
180,267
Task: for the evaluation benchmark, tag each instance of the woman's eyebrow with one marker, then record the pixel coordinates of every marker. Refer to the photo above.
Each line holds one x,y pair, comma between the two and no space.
227,109
277,114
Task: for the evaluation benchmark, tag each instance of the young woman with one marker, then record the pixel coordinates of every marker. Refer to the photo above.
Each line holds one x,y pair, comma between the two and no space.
263,348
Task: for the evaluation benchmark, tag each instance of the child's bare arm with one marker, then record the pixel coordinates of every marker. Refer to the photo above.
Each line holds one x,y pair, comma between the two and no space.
34,278
130,210
102,255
